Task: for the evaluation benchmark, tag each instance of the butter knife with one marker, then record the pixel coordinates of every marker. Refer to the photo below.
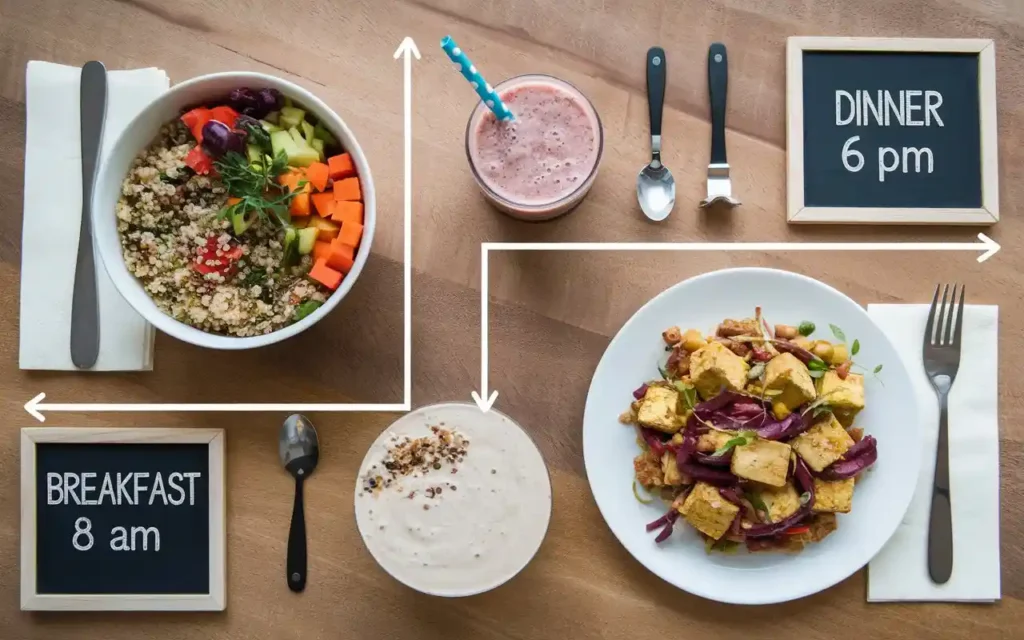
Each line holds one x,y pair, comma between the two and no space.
85,316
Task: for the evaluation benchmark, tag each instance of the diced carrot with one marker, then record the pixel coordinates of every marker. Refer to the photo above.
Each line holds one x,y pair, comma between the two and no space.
224,114
321,250
317,174
323,203
350,234
341,257
344,211
327,230
233,201
325,275
299,205
348,189
341,166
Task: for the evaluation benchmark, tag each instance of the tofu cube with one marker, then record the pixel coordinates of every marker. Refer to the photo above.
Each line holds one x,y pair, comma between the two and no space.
658,410
833,497
785,373
672,476
714,367
764,461
781,502
822,444
713,440
846,397
708,511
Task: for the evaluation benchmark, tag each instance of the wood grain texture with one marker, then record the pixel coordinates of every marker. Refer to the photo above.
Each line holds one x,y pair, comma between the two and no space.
552,313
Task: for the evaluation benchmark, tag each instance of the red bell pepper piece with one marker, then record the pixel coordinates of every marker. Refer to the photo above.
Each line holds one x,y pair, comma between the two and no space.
225,114
198,161
195,119
207,261
795,531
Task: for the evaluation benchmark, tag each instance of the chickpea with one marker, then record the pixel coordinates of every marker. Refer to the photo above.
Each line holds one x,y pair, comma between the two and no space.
671,335
802,342
780,410
785,332
823,349
692,340
840,354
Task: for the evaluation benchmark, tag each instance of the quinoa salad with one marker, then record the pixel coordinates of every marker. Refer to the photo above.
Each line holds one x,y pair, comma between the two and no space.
237,224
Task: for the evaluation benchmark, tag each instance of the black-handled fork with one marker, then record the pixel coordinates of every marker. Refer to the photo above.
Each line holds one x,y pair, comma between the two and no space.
941,361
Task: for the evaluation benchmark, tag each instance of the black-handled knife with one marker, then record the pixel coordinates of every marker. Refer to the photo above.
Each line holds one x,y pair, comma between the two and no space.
85,316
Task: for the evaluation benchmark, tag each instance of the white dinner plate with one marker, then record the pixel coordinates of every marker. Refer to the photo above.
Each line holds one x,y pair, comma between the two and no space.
882,494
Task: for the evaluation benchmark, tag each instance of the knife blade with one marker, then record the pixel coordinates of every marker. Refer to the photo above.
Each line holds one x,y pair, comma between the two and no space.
85,318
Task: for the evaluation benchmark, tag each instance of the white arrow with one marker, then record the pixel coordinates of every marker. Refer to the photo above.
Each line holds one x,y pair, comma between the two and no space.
989,246
35,407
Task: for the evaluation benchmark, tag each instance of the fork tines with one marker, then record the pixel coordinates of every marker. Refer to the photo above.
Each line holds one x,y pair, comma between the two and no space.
944,328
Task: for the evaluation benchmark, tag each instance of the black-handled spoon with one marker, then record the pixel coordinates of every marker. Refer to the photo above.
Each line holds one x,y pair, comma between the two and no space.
655,186
299,448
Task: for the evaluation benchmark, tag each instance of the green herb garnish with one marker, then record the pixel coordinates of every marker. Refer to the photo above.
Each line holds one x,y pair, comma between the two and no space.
855,348
254,277
756,371
759,506
838,333
256,188
806,328
689,394
877,369
306,308
744,437
663,372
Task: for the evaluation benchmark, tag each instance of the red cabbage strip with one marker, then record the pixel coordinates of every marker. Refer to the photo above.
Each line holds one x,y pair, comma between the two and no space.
867,442
714,461
654,441
665,532
708,474
849,468
670,516
767,530
726,397
805,480
732,495
686,449
789,427
640,392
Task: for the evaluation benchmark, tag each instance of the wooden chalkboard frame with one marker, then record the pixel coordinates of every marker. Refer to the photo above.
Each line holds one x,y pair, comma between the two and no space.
31,600
987,214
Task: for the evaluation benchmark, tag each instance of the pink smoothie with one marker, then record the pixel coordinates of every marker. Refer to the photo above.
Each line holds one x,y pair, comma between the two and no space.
541,164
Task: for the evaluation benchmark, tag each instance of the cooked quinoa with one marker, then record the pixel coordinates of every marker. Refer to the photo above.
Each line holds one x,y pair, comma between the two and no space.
166,214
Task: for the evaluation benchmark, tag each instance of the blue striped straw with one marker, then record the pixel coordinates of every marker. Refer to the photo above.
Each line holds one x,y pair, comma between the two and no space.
469,72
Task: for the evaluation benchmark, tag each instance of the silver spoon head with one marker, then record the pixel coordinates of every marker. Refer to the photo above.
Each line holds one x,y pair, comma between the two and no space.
656,191
298,445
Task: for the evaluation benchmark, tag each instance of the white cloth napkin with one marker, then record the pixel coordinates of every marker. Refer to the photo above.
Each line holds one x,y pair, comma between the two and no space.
53,214
900,571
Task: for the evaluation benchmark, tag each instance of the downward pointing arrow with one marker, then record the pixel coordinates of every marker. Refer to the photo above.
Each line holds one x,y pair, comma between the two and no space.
482,400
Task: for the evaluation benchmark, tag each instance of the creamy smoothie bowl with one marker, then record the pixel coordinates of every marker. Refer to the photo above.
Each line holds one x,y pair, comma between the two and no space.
541,164
451,501
245,218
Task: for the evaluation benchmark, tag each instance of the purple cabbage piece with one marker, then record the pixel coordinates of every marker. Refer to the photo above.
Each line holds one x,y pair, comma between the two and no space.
731,494
714,461
850,467
805,480
775,528
640,391
789,427
686,449
709,475
654,440
666,522
244,100
708,407
865,443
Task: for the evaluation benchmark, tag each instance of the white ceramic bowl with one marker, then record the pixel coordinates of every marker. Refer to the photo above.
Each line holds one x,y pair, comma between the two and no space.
140,133
879,502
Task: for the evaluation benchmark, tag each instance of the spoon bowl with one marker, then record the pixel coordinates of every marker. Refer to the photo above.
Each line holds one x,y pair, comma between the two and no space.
299,448
656,191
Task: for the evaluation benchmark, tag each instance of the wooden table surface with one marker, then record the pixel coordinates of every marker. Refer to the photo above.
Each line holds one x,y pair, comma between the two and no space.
551,316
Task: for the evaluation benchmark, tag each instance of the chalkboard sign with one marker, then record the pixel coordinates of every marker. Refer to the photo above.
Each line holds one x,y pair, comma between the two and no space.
889,130
122,519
